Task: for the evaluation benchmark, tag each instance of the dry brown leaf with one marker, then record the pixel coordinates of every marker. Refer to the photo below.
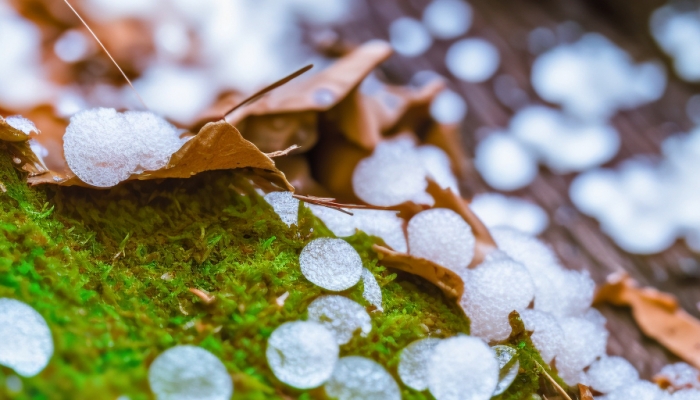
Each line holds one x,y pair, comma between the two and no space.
444,278
219,145
296,169
11,134
658,315
585,392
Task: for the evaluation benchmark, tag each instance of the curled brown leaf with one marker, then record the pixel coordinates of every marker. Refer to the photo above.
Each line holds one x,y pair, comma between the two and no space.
658,315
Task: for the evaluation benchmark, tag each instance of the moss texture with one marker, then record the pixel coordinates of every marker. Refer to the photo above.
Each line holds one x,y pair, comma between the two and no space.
111,270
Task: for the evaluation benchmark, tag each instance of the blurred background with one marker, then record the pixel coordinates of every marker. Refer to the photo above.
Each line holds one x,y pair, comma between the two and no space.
581,112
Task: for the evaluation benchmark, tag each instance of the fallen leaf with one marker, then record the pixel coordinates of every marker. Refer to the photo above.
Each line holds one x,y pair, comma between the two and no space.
585,392
658,315
219,145
444,278
9,133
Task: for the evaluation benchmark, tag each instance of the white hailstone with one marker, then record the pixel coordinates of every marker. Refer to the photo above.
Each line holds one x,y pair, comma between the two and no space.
331,264
22,124
26,344
448,107
341,316
596,317
497,210
177,93
414,363
686,394
463,367
493,290
678,34
72,46
593,191
393,174
442,236
448,19
104,147
409,37
172,39
610,373
188,373
504,163
472,60
593,78
640,390
504,355
286,206
381,223
526,249
564,293
302,354
361,378
372,292
680,374
547,336
564,144
438,166
585,342
107,10
322,12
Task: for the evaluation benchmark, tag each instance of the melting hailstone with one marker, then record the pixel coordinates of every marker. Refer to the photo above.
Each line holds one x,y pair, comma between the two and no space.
495,209
372,292
331,264
547,336
409,37
26,344
442,236
447,19
361,378
286,206
463,367
508,369
341,316
21,124
414,363
448,107
472,60
188,373
438,166
585,342
302,354
104,147
610,373
680,375
639,390
492,291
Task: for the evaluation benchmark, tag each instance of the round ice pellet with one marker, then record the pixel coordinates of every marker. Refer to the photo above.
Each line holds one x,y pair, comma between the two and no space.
414,363
341,316
361,378
331,264
442,236
26,344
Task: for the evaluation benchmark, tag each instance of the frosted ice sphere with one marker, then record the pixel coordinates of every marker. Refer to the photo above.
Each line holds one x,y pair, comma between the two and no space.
442,236
341,316
331,264
72,46
361,378
103,147
564,293
593,191
414,363
286,206
371,292
463,367
448,107
383,224
26,344
493,290
504,163
686,394
21,124
393,174
409,37
526,249
640,390
547,336
504,355
497,210
610,373
472,60
438,166
447,19
680,375
585,342
189,373
302,354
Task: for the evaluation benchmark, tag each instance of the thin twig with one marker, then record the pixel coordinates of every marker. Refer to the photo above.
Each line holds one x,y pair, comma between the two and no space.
106,51
267,89
554,382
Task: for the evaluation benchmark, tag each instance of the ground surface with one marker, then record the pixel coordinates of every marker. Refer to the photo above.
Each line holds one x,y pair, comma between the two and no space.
576,238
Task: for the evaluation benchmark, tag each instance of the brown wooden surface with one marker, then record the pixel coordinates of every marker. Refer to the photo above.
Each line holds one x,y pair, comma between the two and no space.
576,238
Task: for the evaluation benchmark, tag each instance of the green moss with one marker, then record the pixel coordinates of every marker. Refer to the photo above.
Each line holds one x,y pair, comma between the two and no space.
110,272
